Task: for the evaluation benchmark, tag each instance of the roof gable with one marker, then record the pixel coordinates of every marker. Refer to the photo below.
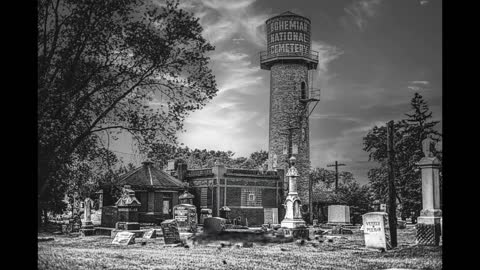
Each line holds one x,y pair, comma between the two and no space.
149,176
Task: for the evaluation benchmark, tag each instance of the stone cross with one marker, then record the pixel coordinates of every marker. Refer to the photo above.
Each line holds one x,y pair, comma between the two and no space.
87,209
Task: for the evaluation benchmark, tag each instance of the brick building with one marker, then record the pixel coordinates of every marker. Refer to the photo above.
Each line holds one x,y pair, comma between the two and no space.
253,195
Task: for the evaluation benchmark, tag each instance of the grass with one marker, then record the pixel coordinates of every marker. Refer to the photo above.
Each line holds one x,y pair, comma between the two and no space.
348,252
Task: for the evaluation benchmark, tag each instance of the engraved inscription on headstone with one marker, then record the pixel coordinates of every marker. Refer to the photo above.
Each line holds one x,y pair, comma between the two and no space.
170,231
375,232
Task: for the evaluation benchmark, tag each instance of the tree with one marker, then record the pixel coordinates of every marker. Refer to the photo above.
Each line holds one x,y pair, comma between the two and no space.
323,191
356,196
408,137
198,159
100,65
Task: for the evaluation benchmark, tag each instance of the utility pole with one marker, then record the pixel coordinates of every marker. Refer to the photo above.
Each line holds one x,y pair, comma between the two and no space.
392,217
336,172
290,143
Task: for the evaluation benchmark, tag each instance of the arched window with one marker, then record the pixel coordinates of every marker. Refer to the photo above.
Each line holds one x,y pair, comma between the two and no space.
303,90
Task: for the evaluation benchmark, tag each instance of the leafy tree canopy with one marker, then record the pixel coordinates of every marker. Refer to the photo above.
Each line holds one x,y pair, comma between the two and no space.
408,136
203,158
101,67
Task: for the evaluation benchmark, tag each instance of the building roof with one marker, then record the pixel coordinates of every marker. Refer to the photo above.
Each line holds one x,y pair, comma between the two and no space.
149,176
286,14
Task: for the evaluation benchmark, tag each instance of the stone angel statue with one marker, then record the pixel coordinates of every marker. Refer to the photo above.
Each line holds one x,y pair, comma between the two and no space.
427,146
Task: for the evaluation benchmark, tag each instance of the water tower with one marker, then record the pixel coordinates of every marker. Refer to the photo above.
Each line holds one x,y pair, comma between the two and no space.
291,63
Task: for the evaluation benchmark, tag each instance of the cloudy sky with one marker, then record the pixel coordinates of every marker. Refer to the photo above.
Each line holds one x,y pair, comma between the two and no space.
373,56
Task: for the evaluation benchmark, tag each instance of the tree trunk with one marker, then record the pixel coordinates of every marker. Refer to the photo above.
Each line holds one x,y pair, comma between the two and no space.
39,216
45,217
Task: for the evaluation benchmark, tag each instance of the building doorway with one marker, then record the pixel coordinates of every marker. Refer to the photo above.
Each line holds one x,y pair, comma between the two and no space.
167,207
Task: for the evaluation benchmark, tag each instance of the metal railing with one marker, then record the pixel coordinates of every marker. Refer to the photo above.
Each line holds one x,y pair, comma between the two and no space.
264,56
250,172
199,173
313,94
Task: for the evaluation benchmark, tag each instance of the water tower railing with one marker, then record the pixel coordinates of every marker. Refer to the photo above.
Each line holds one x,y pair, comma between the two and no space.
264,56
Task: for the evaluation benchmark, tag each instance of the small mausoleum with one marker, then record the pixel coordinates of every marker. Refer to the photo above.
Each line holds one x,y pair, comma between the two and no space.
156,190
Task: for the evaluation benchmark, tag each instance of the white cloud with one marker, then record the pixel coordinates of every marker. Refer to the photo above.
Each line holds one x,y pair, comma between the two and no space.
326,54
418,86
424,2
236,72
361,11
421,82
224,19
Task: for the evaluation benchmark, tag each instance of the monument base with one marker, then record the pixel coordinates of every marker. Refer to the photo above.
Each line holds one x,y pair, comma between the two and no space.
428,234
339,224
292,223
87,232
87,229
127,226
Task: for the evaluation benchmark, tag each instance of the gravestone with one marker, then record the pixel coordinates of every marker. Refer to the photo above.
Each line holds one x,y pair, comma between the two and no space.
127,207
214,225
429,222
186,217
270,215
170,231
124,238
205,213
87,228
339,214
109,216
376,231
150,234
293,217
186,213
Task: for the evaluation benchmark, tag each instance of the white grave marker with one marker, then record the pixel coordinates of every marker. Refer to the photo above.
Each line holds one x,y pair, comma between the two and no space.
124,238
375,232
150,234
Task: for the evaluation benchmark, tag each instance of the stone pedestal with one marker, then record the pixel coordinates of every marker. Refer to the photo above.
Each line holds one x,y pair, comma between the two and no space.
429,221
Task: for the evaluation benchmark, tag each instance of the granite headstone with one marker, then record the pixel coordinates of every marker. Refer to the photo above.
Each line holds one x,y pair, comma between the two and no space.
170,231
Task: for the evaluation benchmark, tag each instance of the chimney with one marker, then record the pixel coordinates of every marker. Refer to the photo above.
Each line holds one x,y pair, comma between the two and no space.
182,171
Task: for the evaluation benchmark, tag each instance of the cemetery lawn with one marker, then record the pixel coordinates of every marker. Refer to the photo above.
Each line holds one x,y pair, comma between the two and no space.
346,252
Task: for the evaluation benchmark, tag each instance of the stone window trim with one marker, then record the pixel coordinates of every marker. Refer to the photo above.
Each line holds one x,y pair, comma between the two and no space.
251,197
303,89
